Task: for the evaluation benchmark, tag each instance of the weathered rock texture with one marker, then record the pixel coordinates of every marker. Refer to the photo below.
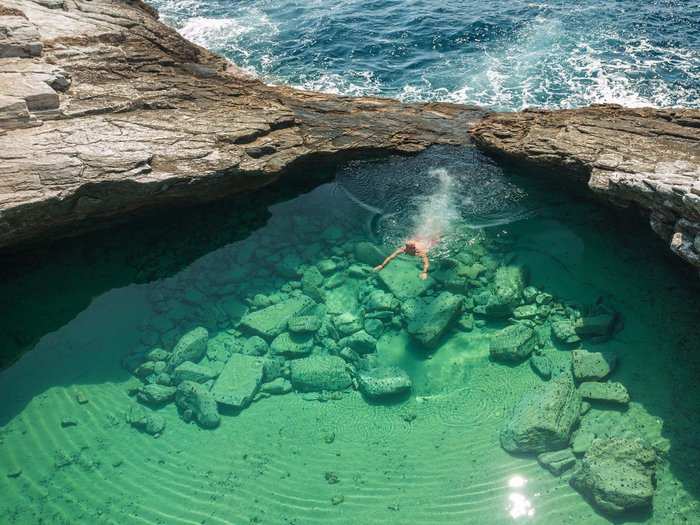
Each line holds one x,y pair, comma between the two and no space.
104,110
643,157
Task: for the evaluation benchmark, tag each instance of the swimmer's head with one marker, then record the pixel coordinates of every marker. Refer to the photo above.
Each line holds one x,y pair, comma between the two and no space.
410,247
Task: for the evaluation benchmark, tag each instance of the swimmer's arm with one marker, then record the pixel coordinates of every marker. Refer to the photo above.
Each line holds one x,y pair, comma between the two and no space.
396,253
426,265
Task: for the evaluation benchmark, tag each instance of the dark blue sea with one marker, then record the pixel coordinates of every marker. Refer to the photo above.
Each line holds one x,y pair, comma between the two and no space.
506,55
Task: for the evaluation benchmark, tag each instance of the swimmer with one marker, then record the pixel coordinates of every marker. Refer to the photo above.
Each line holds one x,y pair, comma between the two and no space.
412,247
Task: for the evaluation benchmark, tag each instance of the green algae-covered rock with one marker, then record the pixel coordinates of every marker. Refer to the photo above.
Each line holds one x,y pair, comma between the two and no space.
544,418
148,422
361,342
565,332
369,254
505,294
607,392
255,345
312,282
320,372
197,403
401,278
542,366
239,381
617,475
272,321
432,319
383,382
379,300
189,371
513,344
591,366
304,324
191,347
347,323
292,345
155,394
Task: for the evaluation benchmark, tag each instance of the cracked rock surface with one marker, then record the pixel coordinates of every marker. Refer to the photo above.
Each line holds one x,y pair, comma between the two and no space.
649,158
104,110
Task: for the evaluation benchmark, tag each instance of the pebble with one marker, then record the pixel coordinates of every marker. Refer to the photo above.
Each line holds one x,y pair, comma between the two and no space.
14,472
337,500
331,478
81,398
68,422
329,438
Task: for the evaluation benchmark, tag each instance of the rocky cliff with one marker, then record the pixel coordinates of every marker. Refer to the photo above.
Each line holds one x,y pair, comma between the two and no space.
631,157
104,111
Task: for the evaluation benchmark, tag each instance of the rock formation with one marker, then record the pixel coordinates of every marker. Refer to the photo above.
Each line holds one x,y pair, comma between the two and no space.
104,110
643,157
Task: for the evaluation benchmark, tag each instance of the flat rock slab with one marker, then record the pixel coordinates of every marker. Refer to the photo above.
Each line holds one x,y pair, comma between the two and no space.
19,38
292,345
239,381
608,392
36,93
591,366
557,462
320,373
272,321
544,418
513,344
432,319
401,278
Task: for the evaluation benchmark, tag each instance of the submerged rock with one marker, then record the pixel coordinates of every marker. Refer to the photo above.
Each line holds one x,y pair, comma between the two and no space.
369,254
155,394
239,381
401,279
544,418
617,475
255,345
304,324
191,347
320,372
557,462
599,326
277,386
148,422
292,345
197,403
608,392
542,366
564,331
189,371
513,344
272,321
347,324
432,319
383,382
591,366
361,342
506,293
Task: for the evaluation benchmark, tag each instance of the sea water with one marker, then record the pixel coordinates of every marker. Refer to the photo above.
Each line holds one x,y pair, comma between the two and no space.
505,54
78,318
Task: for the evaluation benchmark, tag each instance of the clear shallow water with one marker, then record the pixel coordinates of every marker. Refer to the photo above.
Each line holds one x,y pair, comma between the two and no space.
505,55
82,306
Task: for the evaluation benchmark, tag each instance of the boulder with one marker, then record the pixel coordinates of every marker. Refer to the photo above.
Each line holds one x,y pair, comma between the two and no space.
292,345
148,422
239,381
270,322
255,345
564,331
191,347
198,404
312,282
304,324
155,394
277,386
320,372
379,300
542,366
361,342
544,418
383,382
617,475
607,392
347,324
513,344
591,366
189,371
557,462
433,318
505,294
327,266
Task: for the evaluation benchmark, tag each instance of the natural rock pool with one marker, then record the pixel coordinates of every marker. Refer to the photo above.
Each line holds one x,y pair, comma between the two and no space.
241,362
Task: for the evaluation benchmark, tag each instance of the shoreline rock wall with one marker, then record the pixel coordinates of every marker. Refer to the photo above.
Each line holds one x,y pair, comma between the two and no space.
105,111
646,158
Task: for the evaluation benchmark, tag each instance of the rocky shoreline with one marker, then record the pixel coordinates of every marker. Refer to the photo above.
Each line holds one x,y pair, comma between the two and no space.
105,111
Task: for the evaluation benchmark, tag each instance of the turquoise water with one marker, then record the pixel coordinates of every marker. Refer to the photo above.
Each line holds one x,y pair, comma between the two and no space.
78,318
505,55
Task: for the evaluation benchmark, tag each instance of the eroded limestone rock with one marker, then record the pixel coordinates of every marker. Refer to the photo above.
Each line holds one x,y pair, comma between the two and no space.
239,381
320,372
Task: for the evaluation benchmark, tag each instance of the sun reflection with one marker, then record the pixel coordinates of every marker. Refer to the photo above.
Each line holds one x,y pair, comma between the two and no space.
518,505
